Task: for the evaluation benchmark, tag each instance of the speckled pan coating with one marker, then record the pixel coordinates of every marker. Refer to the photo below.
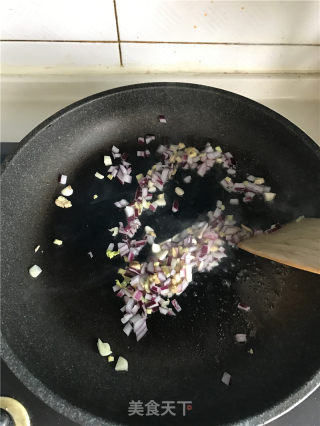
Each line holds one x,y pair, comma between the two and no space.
50,324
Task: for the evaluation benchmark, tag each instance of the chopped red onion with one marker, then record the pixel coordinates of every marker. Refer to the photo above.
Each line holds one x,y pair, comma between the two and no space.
176,305
63,179
150,138
138,295
127,329
126,318
234,201
129,211
243,307
141,333
110,247
169,270
122,203
248,196
226,378
240,338
175,206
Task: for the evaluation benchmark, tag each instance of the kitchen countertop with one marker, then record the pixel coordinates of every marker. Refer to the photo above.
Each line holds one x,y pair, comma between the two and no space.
29,99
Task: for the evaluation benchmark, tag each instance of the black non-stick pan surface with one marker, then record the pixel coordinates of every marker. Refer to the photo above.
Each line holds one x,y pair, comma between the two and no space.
50,324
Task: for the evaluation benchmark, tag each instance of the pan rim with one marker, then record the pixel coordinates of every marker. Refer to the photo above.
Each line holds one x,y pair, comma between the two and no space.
82,416
273,114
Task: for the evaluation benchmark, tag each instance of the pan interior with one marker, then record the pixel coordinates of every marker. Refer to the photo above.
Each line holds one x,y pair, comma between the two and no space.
52,323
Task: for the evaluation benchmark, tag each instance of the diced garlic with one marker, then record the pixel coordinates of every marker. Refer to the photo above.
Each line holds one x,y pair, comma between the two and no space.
107,160
63,202
269,196
57,242
114,231
35,271
36,249
99,175
148,230
161,202
110,358
104,348
122,364
179,191
95,196
259,181
67,191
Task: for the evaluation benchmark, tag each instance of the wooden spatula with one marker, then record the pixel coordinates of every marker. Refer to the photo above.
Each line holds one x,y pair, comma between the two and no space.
296,244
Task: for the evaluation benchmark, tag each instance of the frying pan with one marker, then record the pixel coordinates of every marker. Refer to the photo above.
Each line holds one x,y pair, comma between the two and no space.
50,324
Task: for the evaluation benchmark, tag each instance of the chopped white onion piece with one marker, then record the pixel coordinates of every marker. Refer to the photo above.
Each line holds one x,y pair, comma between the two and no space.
226,378
57,242
99,175
187,179
269,196
90,254
299,219
122,364
104,348
36,248
156,248
35,271
129,211
107,160
67,191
